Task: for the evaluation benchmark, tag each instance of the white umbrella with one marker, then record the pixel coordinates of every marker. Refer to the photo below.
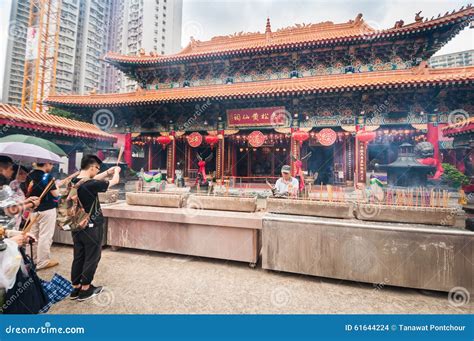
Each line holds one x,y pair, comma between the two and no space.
25,152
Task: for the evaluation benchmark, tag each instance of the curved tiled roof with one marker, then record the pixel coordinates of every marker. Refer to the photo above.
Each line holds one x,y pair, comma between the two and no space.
417,77
298,35
462,127
17,117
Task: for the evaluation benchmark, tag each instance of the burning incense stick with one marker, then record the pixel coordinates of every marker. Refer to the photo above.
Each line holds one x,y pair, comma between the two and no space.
120,155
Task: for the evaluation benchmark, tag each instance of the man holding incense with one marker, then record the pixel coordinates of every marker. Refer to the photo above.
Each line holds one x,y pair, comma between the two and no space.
44,216
286,185
88,242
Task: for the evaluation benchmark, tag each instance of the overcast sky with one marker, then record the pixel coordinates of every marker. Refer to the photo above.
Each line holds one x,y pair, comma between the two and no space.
204,19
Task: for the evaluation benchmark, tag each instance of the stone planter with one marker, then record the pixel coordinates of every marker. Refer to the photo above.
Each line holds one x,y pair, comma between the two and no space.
155,199
221,203
109,197
407,214
342,210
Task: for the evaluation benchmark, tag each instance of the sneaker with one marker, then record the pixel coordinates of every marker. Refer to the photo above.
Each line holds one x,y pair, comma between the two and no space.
75,293
51,263
89,293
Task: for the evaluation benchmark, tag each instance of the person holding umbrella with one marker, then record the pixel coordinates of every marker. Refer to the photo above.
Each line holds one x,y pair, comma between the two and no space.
44,216
6,168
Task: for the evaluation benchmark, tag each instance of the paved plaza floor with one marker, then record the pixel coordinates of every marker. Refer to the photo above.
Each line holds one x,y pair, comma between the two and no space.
141,282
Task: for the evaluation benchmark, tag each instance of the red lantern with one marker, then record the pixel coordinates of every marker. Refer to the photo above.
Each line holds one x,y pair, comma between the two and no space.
164,140
366,136
301,136
211,140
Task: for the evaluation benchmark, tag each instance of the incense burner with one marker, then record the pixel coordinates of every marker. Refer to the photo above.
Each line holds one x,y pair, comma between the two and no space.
222,203
407,214
156,199
109,197
335,209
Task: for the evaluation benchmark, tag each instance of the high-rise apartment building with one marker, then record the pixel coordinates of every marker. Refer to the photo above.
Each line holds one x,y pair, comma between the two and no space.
89,29
151,25
462,58
15,52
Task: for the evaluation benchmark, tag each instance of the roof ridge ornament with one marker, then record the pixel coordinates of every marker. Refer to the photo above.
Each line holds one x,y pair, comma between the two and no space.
418,17
422,68
268,31
358,20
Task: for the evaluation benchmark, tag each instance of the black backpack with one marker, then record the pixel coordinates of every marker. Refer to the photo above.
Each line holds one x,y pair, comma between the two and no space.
27,295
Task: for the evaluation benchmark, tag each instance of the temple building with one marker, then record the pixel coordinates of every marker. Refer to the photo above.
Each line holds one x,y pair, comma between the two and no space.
347,93
70,135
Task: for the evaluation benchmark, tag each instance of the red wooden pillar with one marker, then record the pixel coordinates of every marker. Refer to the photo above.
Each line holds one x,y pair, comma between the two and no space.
433,137
220,156
171,158
295,150
150,155
127,151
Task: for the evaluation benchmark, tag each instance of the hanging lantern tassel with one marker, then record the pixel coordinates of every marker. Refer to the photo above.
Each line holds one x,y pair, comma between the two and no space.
211,140
164,141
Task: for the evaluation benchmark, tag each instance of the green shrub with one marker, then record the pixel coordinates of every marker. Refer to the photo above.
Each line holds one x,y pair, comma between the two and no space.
454,177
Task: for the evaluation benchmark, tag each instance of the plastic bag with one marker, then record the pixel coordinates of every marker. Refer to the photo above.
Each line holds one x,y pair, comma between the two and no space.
10,260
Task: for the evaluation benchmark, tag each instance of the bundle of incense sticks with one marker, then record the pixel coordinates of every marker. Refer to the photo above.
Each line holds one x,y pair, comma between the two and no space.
329,191
415,197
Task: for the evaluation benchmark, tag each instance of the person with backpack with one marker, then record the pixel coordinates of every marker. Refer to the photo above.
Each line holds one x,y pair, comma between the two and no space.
87,233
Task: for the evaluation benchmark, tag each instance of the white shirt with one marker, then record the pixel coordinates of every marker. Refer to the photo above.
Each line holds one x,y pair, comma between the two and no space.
290,187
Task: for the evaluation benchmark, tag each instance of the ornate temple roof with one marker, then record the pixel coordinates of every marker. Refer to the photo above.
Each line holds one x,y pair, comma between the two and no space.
25,118
411,78
300,35
462,127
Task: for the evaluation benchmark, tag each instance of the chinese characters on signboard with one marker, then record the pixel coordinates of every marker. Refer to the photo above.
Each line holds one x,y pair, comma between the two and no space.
271,116
361,161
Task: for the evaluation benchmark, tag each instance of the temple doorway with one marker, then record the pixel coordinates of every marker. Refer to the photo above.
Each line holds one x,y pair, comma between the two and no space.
321,162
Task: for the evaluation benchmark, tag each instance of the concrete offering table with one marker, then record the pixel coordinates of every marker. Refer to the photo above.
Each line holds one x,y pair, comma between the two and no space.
195,232
343,210
415,256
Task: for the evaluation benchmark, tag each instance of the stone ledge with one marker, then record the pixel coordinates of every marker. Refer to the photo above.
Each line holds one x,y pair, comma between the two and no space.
185,216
